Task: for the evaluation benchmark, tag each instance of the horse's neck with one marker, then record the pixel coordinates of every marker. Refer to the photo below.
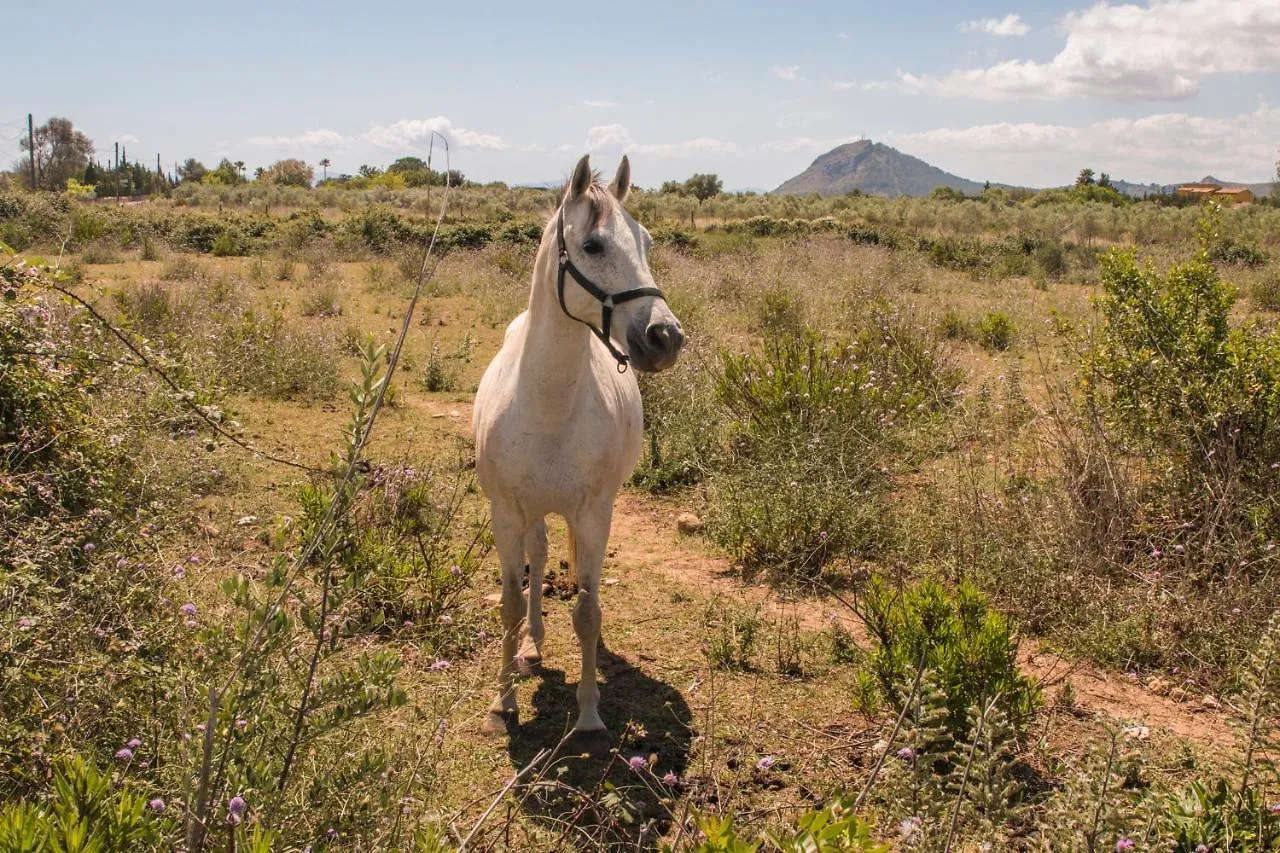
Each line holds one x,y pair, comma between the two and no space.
557,349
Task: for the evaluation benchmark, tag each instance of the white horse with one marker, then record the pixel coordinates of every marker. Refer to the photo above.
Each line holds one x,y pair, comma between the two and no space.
557,419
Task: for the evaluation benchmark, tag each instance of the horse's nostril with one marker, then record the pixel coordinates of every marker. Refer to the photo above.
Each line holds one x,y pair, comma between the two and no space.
659,336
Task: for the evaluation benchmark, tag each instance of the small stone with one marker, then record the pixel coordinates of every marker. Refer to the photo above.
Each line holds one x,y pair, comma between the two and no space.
1178,694
688,523
1157,685
1210,703
494,598
246,520
610,581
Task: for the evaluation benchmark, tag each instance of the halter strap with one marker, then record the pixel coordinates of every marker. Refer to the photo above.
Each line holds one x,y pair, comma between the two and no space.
606,299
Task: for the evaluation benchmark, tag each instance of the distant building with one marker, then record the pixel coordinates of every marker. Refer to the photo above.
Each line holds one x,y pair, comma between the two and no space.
1216,192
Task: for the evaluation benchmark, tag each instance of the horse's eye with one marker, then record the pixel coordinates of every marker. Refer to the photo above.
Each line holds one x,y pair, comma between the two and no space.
593,247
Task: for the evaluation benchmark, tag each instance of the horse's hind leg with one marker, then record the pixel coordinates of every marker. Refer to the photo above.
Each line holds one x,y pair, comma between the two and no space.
508,536
535,551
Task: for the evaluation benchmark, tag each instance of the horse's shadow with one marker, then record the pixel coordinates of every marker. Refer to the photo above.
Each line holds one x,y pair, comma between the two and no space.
587,788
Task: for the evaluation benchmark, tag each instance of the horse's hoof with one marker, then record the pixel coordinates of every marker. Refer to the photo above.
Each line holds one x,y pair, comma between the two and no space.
528,667
496,723
595,742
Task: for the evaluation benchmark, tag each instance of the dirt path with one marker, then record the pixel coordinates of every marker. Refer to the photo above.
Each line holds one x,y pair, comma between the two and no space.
645,537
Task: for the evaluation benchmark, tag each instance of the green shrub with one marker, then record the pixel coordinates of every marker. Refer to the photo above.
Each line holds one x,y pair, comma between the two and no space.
955,327
835,828
228,243
1169,372
813,428
438,377
968,648
680,417
782,312
1051,259
1228,251
732,636
1266,292
675,238
997,331
86,813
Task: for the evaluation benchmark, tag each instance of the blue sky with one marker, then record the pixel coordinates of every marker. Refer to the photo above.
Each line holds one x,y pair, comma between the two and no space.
1012,92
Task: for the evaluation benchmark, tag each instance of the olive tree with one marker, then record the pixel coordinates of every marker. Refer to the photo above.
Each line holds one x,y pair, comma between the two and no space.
61,152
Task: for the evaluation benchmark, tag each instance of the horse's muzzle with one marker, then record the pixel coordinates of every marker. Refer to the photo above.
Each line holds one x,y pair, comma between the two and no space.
656,347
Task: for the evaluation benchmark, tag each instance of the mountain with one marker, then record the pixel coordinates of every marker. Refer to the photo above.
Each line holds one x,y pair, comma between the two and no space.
873,168
1139,190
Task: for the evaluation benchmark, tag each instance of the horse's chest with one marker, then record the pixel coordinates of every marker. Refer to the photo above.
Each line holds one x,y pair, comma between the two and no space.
558,470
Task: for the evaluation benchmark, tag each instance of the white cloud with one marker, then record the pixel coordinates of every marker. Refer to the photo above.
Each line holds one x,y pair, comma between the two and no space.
786,72
126,139
1128,52
841,85
843,36
600,105
321,138
609,137
1161,147
1009,25
415,134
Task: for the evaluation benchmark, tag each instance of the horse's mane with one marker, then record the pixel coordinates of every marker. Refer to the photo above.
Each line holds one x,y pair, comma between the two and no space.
598,196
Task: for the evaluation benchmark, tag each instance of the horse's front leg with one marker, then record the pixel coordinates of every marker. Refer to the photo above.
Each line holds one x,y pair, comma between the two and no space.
590,533
508,537
535,551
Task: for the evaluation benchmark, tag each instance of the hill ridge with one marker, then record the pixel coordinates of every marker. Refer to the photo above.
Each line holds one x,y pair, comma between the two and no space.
873,168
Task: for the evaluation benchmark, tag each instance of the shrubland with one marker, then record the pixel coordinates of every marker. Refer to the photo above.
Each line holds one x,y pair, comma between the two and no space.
963,425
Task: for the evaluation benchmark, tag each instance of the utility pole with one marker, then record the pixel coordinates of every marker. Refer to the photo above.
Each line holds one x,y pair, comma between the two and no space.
31,148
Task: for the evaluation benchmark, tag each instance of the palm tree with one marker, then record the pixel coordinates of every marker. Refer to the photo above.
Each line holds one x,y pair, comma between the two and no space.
324,164
240,167
258,172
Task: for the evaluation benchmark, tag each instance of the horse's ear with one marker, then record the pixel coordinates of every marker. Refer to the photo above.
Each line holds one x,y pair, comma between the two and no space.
622,181
581,179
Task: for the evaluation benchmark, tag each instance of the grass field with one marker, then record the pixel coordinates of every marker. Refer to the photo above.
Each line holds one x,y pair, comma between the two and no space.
996,445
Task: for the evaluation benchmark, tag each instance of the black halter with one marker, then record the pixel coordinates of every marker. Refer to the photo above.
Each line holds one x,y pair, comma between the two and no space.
607,300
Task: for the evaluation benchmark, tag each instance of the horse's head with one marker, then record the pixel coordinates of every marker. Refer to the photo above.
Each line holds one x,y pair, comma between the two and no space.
605,270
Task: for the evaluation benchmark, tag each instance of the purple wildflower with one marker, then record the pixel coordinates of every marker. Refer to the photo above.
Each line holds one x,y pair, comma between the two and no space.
241,725
191,623
124,753
189,609
909,827
907,754
636,762
440,665
134,743
1123,844
235,809
25,622
670,778
765,763
90,547
157,805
